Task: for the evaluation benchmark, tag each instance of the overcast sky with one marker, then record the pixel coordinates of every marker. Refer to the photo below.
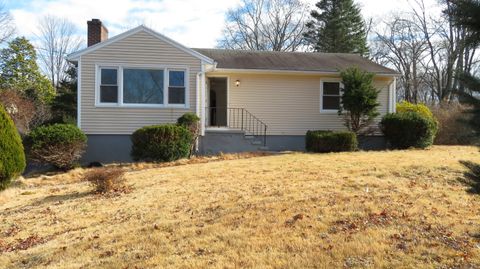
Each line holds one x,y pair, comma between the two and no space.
194,23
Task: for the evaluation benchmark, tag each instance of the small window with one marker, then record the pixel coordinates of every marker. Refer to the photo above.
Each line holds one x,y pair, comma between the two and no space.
331,96
176,87
108,85
142,86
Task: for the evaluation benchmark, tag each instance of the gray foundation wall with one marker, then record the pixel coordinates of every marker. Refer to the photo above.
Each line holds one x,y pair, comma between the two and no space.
216,142
116,148
107,149
231,142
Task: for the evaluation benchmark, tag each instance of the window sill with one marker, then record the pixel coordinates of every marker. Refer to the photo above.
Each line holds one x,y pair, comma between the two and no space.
142,106
329,111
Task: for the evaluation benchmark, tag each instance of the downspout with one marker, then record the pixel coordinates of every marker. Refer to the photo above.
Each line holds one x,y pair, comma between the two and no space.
200,110
394,95
79,93
201,98
198,103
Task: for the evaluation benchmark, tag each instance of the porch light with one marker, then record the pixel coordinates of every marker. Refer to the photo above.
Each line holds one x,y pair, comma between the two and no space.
237,83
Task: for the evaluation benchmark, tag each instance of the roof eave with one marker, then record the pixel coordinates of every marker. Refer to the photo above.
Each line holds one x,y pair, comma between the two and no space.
299,72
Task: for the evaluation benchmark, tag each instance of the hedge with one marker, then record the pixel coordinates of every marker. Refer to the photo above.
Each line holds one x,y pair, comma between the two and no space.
409,129
161,143
12,156
60,145
329,141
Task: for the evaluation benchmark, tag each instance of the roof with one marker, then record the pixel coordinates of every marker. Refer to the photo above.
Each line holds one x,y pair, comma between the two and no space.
292,61
74,56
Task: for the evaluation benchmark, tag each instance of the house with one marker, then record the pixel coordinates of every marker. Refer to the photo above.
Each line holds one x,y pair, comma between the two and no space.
247,100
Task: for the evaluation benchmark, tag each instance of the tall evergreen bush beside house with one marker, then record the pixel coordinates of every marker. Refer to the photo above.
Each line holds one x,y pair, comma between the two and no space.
60,145
12,156
359,99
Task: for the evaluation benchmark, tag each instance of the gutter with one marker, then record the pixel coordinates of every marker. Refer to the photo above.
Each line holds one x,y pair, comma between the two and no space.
201,95
294,72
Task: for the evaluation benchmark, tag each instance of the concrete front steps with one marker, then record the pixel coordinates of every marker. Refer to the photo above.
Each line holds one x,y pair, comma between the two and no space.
224,140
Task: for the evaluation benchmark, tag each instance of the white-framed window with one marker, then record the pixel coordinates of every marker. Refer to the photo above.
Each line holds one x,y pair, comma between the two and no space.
108,88
176,87
141,86
330,96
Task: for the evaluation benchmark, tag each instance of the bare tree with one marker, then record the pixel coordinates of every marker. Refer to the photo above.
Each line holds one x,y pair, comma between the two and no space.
25,113
7,26
57,38
430,51
447,49
274,25
401,44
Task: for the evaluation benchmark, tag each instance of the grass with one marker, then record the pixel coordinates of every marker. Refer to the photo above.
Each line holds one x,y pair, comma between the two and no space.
403,209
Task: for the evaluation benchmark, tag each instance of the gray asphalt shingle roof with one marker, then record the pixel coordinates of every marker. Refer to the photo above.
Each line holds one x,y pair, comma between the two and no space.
291,61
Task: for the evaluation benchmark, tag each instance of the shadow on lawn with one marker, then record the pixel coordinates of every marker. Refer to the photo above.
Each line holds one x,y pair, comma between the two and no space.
61,198
472,176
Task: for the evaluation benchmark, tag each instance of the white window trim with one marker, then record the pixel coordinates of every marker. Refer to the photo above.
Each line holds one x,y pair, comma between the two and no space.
329,111
120,68
167,83
98,82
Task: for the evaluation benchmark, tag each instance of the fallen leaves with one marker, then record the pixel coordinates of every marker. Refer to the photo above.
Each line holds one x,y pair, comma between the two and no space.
381,219
23,244
293,220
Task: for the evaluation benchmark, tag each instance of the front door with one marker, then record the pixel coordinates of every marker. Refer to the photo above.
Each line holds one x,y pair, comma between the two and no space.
217,103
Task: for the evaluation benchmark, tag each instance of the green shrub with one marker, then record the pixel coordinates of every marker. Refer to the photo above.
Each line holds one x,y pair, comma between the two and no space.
409,129
12,157
422,109
328,141
190,121
359,99
161,143
60,145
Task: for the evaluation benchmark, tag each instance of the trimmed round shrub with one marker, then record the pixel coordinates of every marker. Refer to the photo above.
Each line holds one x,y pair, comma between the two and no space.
328,141
60,145
12,156
162,143
409,129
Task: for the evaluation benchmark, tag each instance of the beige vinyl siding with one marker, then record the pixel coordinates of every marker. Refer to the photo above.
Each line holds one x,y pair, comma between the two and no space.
289,104
138,49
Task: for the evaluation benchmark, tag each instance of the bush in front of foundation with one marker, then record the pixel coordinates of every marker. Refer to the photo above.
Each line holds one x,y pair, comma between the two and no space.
329,141
161,143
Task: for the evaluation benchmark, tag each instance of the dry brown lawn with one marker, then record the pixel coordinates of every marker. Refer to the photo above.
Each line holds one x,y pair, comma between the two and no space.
398,209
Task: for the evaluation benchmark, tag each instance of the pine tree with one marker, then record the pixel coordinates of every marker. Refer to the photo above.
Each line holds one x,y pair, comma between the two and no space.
64,106
337,26
19,71
465,13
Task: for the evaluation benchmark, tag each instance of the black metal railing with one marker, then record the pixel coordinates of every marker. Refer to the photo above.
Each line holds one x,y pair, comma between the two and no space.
237,118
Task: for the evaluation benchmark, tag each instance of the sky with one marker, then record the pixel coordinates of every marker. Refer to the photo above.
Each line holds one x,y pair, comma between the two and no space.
194,23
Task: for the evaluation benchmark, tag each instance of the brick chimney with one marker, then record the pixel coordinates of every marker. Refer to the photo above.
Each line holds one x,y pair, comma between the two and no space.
96,32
